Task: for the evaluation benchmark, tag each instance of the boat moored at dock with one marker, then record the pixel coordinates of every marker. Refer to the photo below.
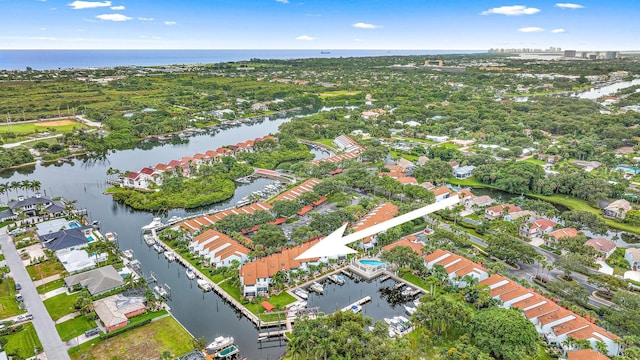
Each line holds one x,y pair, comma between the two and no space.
190,274
148,239
338,279
158,248
228,352
301,293
111,236
317,288
128,254
204,285
155,223
170,255
218,344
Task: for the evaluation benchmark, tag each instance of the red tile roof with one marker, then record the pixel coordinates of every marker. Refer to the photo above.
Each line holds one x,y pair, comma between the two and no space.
295,192
566,232
409,241
586,354
381,213
601,244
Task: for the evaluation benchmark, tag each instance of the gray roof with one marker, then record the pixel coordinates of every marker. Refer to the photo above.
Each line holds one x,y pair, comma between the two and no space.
64,239
29,201
97,280
5,214
51,226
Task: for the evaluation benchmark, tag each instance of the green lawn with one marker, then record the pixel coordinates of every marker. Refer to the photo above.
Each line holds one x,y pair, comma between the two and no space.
23,343
61,305
146,342
328,142
74,327
31,128
415,280
472,182
8,303
450,145
55,284
328,94
535,161
45,269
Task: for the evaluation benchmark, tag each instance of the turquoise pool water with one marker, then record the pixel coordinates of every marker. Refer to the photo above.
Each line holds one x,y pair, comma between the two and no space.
74,224
627,169
372,263
90,239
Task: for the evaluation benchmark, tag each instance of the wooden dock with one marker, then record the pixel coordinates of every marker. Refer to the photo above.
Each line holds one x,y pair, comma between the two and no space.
360,302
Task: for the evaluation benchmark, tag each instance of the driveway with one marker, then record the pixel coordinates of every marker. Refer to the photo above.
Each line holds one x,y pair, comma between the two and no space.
46,329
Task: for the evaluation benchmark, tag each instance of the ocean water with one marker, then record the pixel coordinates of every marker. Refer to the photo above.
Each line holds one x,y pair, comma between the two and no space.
68,59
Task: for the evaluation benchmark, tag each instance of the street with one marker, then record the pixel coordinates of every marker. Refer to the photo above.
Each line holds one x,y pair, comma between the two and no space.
54,348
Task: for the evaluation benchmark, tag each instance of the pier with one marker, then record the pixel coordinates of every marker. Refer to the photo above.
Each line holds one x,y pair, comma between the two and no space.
360,302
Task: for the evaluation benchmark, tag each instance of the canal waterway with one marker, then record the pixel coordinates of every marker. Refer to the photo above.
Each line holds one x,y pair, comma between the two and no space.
595,93
84,181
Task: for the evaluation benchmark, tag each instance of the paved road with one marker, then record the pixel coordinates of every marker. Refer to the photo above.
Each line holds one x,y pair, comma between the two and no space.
54,348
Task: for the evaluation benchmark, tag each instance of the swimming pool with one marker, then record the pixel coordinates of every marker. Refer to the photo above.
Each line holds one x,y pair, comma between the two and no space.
90,239
74,224
372,263
627,169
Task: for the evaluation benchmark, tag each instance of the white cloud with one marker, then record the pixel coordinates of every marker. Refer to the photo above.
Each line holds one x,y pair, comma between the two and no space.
119,7
558,31
283,1
170,22
512,10
362,25
76,5
43,28
114,17
145,19
305,38
531,29
569,6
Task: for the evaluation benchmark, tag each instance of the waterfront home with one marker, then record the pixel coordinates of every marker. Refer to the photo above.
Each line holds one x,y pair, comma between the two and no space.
32,206
537,228
76,260
194,225
218,248
527,214
481,201
617,209
498,211
135,180
96,281
604,246
70,238
632,255
456,266
553,322
465,196
255,276
116,310
463,172
380,214
295,192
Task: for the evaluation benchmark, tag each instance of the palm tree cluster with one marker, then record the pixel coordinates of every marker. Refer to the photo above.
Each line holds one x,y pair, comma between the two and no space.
26,185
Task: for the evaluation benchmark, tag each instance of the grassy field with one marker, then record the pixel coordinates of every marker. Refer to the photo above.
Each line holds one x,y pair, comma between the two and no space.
147,342
8,303
24,342
328,94
74,327
45,269
328,142
61,305
55,284
52,127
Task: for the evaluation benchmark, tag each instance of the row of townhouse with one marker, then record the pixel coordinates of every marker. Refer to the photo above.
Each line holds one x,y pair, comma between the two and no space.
346,144
380,214
555,323
351,155
218,248
154,175
191,226
298,190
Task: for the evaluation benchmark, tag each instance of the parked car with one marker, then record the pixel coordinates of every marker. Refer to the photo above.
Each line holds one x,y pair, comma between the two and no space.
92,332
19,298
24,317
18,286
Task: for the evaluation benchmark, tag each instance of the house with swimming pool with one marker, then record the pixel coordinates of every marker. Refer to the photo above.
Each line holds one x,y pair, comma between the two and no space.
60,234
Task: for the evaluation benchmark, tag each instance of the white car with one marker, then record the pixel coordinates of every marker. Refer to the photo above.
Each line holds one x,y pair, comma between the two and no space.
24,317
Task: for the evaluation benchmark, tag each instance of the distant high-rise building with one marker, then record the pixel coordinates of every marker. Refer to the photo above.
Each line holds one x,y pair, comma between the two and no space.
609,55
569,53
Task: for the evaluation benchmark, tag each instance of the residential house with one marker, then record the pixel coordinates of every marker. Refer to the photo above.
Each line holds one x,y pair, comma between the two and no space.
135,180
194,225
442,193
586,354
553,322
527,214
537,228
603,246
32,206
218,248
463,172
632,255
456,266
481,201
465,196
76,260
296,191
406,165
565,232
438,139
352,155
498,211
97,281
69,238
346,144
408,241
587,165
380,214
116,310
617,209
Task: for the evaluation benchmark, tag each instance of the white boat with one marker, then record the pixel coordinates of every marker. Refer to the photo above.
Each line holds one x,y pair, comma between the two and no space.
407,291
128,254
160,291
111,236
148,239
204,285
356,308
158,248
316,287
228,352
174,219
337,279
218,344
410,310
190,274
169,255
301,293
156,222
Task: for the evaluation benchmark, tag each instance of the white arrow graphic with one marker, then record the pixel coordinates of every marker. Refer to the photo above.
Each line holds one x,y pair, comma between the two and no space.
335,243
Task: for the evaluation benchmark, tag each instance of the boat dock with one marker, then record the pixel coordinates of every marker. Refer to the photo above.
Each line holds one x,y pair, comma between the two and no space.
360,302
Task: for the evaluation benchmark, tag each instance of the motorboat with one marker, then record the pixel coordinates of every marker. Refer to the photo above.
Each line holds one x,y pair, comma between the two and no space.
410,310
148,239
356,308
160,291
316,287
111,236
156,222
191,274
337,279
169,255
158,248
218,344
204,285
128,254
228,352
301,293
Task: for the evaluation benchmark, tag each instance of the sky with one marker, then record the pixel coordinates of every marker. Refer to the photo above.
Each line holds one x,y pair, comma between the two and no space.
319,24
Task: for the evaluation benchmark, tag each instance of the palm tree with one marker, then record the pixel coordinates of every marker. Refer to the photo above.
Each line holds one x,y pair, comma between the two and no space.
36,185
15,185
25,185
4,188
569,343
602,347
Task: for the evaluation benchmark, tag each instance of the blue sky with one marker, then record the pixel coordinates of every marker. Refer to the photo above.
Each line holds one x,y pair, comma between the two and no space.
319,24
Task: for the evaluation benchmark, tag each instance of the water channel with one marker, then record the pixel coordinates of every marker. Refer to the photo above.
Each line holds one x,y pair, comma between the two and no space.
596,93
202,314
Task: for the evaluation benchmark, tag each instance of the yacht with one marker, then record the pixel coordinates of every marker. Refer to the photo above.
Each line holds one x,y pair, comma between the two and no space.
128,254
191,274
410,310
301,293
316,287
218,344
148,239
153,224
160,291
169,255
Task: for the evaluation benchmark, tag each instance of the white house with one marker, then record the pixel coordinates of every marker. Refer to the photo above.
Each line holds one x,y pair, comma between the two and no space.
463,172
632,255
